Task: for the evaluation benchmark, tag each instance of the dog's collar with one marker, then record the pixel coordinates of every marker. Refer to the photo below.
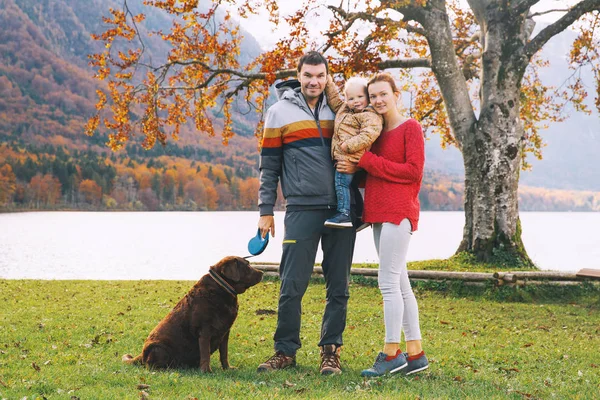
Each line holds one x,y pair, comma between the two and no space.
222,282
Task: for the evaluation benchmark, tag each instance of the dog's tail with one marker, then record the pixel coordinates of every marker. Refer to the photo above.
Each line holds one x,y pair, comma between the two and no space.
129,359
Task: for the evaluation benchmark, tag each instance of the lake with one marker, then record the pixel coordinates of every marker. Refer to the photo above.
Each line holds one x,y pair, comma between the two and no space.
182,245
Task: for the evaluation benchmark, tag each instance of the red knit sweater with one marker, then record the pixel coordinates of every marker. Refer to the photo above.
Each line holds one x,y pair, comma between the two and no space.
394,172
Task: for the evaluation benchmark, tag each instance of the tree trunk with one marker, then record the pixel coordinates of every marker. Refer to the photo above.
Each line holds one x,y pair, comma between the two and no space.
492,229
492,150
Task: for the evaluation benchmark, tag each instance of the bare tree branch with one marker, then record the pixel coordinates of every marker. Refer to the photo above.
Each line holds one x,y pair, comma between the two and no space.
565,21
524,5
436,105
351,17
406,63
444,64
537,14
247,78
286,73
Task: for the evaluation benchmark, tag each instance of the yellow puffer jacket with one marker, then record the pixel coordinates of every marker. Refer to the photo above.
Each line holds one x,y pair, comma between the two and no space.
358,130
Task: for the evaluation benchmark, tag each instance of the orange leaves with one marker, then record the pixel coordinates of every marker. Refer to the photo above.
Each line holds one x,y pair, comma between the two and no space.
101,100
585,52
202,76
539,105
90,191
92,125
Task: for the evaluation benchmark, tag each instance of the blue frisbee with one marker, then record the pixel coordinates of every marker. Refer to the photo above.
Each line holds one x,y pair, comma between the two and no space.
257,244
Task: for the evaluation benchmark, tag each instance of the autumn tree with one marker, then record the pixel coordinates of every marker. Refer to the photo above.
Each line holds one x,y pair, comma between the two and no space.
472,74
8,184
90,191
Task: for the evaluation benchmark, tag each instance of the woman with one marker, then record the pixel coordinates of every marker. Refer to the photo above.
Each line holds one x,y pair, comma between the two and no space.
394,169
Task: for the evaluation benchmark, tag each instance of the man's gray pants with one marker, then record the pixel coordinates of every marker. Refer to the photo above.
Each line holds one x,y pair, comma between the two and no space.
303,231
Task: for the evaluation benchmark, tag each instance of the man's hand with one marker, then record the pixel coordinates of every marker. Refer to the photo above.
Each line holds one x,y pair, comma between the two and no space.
266,223
344,147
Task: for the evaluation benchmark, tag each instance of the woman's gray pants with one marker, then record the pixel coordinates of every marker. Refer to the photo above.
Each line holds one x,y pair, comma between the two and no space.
400,310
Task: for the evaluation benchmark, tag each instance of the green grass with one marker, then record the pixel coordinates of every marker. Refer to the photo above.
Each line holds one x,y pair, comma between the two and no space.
65,338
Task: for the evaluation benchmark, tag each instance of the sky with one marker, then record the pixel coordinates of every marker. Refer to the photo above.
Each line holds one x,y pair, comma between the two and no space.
262,30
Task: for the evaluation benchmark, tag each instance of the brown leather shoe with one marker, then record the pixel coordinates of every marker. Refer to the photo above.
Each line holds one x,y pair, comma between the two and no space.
276,362
330,360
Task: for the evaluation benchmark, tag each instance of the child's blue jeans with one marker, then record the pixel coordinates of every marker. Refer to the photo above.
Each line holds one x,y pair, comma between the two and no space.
342,191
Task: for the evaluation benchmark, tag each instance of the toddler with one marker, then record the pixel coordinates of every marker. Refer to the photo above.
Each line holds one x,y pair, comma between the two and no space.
356,127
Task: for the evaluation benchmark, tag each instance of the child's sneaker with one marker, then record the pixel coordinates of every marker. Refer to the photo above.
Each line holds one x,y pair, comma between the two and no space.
416,363
339,220
383,365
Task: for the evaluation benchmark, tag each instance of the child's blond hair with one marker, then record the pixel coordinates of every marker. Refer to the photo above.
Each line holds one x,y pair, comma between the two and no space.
357,80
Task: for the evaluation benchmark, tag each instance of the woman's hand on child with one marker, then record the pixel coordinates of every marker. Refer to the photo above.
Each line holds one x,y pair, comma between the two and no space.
346,167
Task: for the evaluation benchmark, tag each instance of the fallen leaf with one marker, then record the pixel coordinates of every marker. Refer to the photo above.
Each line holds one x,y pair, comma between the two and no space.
444,322
142,386
47,362
300,391
593,366
288,384
528,345
458,379
527,395
545,328
34,365
144,395
3,384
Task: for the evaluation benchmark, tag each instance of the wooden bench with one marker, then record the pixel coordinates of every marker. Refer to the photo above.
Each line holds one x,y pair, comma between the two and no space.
589,273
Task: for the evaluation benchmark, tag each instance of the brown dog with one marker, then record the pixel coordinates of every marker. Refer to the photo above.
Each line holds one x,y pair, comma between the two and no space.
200,322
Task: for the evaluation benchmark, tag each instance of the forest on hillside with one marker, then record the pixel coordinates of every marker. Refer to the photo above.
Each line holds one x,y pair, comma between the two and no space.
54,178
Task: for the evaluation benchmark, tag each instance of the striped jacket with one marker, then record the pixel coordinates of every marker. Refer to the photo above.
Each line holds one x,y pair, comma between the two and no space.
296,149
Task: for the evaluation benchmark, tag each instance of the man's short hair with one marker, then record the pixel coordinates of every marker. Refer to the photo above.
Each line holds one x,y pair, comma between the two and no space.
313,58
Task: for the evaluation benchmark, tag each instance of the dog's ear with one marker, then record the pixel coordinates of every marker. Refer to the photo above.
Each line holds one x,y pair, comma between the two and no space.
231,270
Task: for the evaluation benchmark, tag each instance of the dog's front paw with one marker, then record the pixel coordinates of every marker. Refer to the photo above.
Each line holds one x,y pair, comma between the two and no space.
205,369
226,367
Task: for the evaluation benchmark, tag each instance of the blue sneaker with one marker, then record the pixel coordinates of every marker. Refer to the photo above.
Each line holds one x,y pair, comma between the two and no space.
339,220
416,365
382,366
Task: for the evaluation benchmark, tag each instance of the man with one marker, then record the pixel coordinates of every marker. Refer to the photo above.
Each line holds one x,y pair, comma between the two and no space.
296,149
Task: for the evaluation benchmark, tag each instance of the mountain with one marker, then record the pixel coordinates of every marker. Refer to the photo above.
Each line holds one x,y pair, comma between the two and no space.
46,87
47,93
